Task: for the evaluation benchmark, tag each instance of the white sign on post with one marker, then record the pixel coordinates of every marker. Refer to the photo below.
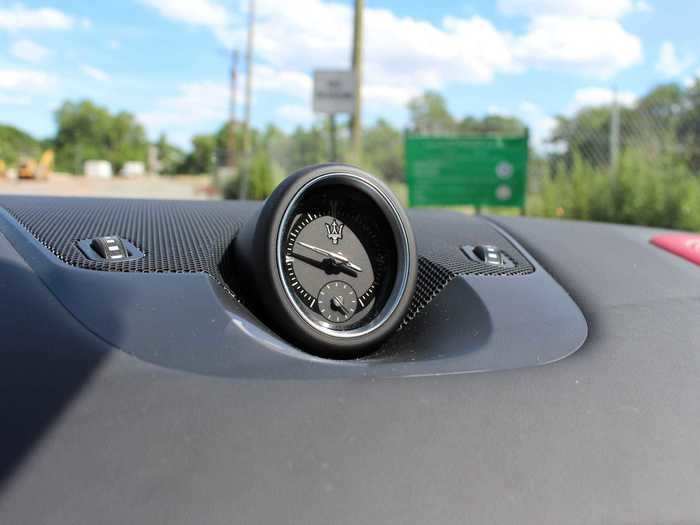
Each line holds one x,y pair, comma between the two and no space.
334,91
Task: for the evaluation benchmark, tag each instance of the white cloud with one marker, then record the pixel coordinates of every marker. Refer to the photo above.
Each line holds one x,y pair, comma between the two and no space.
14,100
210,14
294,83
612,9
303,33
402,51
670,64
196,12
206,103
690,81
295,114
577,35
405,55
381,96
195,103
197,107
18,17
540,125
495,109
571,8
95,73
308,34
25,80
642,6
600,96
590,45
28,51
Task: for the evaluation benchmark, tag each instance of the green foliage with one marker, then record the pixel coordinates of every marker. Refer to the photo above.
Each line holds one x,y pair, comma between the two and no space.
277,144
666,120
15,144
491,124
586,135
263,177
202,158
87,131
170,156
308,147
645,189
663,103
383,151
429,115
689,125
222,140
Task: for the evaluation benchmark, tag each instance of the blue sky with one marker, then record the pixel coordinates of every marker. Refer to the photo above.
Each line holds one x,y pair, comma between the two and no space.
167,61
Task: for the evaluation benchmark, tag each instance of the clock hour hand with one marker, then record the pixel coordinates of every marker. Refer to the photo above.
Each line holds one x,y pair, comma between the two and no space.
327,265
337,257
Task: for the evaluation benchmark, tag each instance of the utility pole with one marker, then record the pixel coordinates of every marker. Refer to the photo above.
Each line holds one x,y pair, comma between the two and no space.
334,140
614,132
231,153
357,68
248,95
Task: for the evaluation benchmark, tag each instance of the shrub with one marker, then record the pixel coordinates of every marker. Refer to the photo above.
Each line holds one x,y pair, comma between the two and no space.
644,189
264,176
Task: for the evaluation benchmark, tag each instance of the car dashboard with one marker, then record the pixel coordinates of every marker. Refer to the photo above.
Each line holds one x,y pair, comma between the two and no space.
558,385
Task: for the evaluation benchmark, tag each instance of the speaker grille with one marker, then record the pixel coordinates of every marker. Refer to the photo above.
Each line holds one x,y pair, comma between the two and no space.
193,236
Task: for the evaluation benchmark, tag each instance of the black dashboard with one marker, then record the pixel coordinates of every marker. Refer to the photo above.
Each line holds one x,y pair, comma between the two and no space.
160,389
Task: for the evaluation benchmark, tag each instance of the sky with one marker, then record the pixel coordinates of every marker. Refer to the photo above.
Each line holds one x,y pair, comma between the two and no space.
168,61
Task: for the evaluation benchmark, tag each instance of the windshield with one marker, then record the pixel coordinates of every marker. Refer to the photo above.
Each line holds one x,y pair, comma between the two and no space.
568,109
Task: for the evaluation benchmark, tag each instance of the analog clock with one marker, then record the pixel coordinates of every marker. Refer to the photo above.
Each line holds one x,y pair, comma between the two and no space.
332,256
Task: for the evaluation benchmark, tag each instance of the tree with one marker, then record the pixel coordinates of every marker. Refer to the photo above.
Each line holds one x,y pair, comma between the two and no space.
586,135
491,124
689,126
263,176
87,131
202,158
170,156
383,151
278,146
306,147
665,121
663,103
15,144
429,115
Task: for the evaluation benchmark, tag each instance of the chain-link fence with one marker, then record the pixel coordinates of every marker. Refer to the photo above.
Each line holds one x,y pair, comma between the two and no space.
637,163
660,124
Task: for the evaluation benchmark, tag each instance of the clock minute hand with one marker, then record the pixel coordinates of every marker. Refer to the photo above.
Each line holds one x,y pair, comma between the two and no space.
335,256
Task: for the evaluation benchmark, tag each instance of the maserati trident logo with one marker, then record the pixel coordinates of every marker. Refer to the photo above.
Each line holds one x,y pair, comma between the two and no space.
334,231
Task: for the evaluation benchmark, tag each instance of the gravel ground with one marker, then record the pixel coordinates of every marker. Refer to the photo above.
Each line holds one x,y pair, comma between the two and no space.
180,187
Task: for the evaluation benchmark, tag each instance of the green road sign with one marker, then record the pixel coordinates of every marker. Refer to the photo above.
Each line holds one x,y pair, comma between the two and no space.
454,171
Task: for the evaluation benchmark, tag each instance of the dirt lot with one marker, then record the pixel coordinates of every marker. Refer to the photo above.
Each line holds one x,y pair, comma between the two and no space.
180,187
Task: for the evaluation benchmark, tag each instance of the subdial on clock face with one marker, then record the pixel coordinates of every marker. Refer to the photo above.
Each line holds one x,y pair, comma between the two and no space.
337,301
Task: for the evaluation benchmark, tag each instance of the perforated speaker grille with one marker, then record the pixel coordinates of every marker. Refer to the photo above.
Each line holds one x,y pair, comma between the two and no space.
439,238
193,236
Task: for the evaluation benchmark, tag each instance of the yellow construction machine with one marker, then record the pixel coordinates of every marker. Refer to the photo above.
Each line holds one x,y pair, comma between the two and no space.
31,169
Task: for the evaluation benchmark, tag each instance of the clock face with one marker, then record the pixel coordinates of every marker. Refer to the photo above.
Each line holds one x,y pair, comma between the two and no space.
339,257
